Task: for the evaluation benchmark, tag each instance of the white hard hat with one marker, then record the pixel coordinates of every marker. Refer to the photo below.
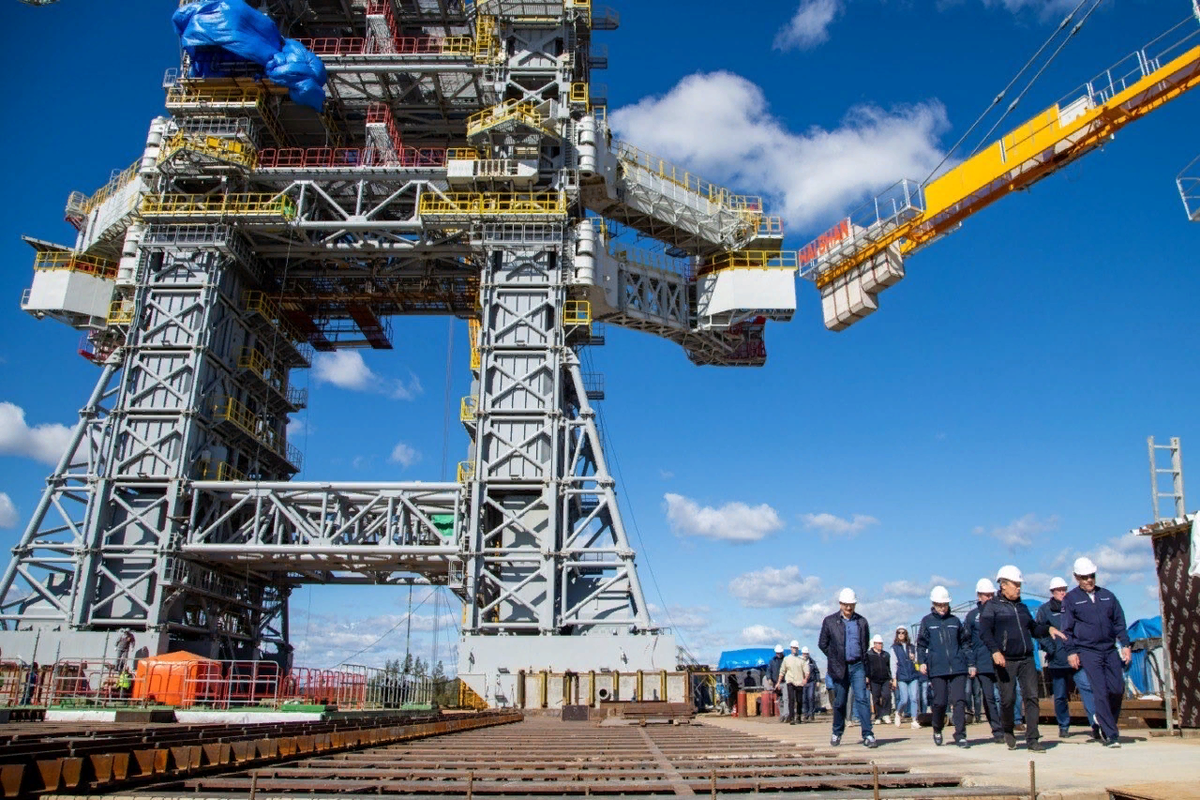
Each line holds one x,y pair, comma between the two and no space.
794,643
1009,573
877,639
804,649
778,648
985,586
1084,566
940,594
847,596
901,628
1057,583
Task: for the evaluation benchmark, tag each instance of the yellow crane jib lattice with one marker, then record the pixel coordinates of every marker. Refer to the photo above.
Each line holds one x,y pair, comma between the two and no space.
261,207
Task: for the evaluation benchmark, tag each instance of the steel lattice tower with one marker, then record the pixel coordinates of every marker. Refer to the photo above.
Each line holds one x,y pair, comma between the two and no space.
462,165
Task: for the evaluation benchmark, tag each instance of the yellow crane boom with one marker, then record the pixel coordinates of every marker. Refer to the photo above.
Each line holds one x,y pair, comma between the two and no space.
865,252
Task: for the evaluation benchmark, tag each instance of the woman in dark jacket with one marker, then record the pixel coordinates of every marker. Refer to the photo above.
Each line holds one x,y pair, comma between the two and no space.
906,681
945,654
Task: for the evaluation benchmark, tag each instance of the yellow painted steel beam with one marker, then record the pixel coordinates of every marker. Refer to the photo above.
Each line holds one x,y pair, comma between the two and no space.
1040,146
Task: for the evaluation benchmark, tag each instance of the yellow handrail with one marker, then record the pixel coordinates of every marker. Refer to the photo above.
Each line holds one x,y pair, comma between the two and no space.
218,205
473,328
63,260
522,110
752,259
577,312
490,204
215,146
466,471
466,410
115,184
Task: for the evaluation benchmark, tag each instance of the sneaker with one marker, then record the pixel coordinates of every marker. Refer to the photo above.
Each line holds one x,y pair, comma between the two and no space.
886,719
1019,727
998,738
898,720
1063,733
916,725
869,741
1011,741
835,740
961,741
937,738
1113,743
1036,746
1097,734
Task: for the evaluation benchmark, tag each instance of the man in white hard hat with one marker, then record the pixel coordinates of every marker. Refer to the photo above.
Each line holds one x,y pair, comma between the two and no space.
1094,624
879,673
944,650
985,669
794,675
773,682
1054,658
1008,631
845,639
808,708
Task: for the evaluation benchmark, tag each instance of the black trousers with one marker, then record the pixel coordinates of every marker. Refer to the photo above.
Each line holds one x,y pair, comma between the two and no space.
1023,671
950,690
881,697
987,685
795,698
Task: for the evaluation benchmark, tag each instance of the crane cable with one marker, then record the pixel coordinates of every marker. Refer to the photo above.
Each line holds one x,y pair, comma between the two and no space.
1012,106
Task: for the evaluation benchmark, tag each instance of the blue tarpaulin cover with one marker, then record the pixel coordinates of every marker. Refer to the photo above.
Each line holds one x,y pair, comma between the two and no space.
238,29
749,658
1149,628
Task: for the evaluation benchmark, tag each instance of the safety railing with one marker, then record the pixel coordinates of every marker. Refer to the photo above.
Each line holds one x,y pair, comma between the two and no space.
868,224
183,96
222,471
229,150
466,409
1189,189
258,302
466,205
1137,65
120,311
579,94
229,409
474,327
350,157
270,206
750,259
465,472
692,183
116,182
397,46
576,313
524,111
64,260
651,259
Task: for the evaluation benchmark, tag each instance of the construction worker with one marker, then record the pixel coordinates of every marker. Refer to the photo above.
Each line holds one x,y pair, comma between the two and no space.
1008,631
773,682
945,651
1054,655
794,675
124,684
985,668
125,644
844,641
808,708
879,673
1094,623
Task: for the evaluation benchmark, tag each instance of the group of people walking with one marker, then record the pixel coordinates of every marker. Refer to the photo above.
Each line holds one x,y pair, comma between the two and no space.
1079,631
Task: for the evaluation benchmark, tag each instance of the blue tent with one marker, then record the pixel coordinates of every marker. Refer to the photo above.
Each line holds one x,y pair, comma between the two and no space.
1143,675
749,658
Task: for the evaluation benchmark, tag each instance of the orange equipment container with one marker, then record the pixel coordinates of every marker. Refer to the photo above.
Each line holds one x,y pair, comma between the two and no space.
178,679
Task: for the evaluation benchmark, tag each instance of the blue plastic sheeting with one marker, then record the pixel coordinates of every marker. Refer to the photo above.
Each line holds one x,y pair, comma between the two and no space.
1139,670
1149,628
746,659
237,29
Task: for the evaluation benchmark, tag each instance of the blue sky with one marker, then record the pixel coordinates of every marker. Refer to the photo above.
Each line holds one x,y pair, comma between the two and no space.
993,411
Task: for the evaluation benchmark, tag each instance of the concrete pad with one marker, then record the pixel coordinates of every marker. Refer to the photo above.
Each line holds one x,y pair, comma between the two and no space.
247,717
1075,768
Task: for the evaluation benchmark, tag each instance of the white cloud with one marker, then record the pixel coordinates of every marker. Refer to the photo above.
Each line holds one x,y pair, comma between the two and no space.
732,522
907,588
666,474
404,455
809,26
298,426
719,125
689,618
774,588
832,525
1018,534
942,580
8,512
346,369
810,615
45,443
762,634
884,615
1122,558
1038,583
1044,7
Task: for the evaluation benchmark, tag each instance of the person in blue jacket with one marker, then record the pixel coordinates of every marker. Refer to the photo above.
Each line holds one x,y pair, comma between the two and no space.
944,650
985,669
1055,660
1094,623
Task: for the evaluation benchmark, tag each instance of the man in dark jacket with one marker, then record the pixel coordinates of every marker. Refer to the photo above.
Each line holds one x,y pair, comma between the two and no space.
1094,623
1008,630
985,670
773,679
879,673
1054,657
844,641
945,652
